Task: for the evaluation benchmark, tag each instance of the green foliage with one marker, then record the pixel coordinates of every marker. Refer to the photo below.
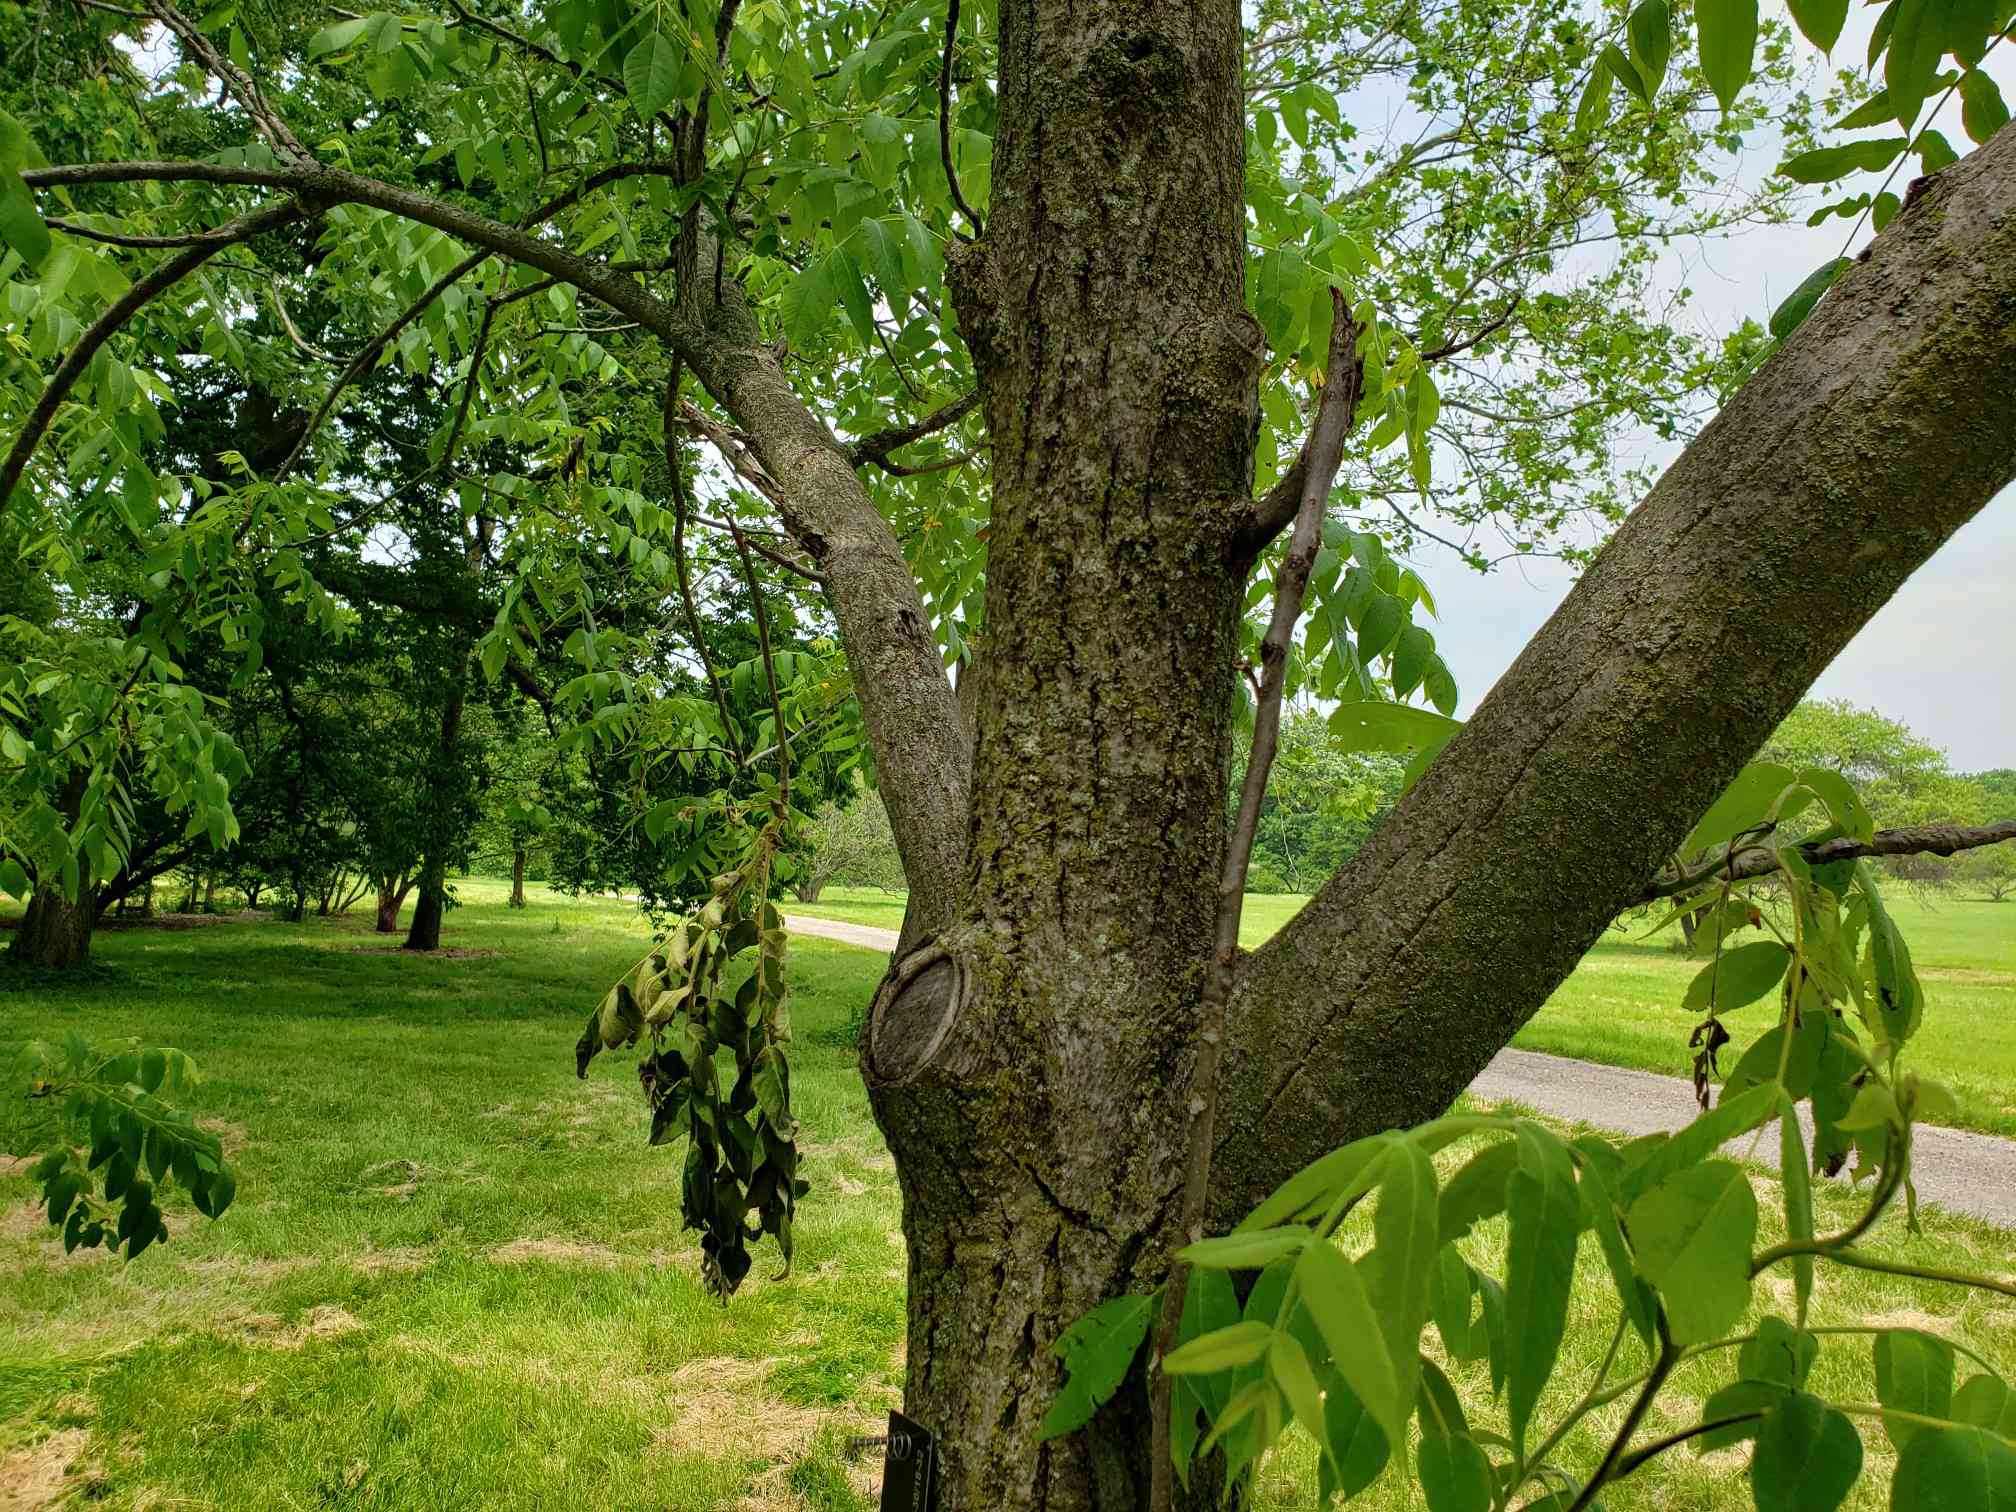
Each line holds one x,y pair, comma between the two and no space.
742,1148
1678,1226
111,1142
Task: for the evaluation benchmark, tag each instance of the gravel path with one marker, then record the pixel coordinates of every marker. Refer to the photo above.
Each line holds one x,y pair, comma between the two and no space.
1960,1171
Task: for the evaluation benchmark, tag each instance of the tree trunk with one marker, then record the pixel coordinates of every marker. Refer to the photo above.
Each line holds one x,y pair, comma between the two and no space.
1027,1069
56,933
518,877
424,933
807,889
210,893
391,898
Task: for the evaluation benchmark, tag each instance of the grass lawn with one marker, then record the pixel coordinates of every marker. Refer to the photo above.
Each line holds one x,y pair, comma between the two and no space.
1622,1005
454,1276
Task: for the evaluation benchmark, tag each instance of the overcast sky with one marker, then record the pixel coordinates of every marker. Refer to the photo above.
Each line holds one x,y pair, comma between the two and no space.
1940,656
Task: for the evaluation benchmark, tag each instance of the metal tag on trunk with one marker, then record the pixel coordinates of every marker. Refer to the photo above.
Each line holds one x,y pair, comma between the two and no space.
908,1467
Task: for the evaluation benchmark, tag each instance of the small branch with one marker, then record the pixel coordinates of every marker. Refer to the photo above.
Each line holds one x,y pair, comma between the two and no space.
124,239
1669,1356
876,447
165,275
783,745
1674,1440
1456,348
1758,861
244,89
945,116
1335,413
738,456
679,504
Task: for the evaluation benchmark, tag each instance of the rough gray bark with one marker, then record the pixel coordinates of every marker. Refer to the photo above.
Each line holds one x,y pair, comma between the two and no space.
1039,1156
1878,431
518,877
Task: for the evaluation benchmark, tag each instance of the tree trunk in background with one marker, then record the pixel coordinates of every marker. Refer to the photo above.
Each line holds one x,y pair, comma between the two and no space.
518,878
807,889
1039,1160
424,933
210,893
391,898
56,933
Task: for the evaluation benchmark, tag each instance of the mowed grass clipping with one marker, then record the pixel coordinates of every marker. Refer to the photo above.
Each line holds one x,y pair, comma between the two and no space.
1622,1005
455,1277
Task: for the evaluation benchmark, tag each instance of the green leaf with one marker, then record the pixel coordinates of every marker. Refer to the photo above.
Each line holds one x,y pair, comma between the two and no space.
1451,1293
1247,1250
1820,20
1289,1367
1807,1458
1737,977
1914,1373
1335,1295
1599,1202
1545,1213
1311,1190
1477,1190
1744,804
1692,1235
1946,1469
1728,33
21,225
877,249
1380,627
336,38
1917,42
1401,1265
1368,725
1729,1117
1844,804
1982,112
1651,35
1825,164
845,275
1223,1349
14,879
1778,1353
1593,109
1413,657
807,304
1987,1402
1455,1474
1789,315
1625,72
1356,1445
1097,1350
651,74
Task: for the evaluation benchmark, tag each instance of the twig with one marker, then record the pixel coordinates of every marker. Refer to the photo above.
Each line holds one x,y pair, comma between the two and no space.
1335,414
945,116
126,239
877,445
1756,861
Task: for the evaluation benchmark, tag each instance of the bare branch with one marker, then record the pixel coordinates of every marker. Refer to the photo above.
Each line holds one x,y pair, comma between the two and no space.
1454,348
1752,861
876,446
125,239
783,745
242,87
945,116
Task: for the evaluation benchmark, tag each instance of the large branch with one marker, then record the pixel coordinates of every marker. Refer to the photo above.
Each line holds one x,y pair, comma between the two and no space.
1752,861
906,698
1879,429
